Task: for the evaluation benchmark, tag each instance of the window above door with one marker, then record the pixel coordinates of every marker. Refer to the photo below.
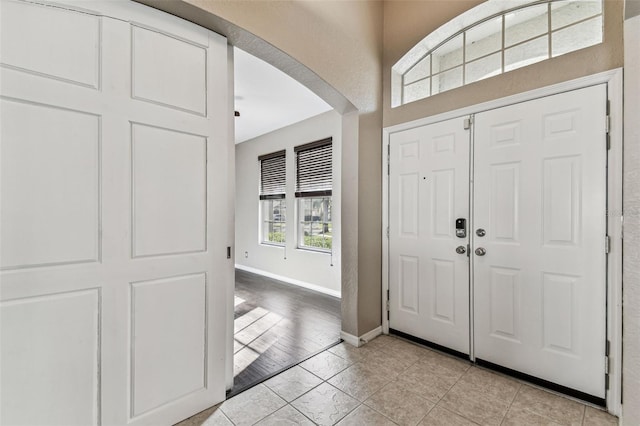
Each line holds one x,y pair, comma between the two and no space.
493,38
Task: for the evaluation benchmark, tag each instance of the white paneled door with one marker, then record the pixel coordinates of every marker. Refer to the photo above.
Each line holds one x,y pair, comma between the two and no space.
113,217
540,197
429,191
537,237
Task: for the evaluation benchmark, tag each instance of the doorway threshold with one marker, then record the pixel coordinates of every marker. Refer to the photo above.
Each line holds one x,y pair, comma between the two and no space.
239,389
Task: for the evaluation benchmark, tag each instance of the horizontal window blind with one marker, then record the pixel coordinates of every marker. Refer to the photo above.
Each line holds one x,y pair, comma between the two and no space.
273,175
314,169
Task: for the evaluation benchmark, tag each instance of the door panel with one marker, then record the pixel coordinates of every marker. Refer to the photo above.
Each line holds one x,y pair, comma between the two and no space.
429,181
113,164
540,194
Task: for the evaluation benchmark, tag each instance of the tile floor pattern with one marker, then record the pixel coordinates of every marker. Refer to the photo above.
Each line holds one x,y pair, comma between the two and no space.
390,381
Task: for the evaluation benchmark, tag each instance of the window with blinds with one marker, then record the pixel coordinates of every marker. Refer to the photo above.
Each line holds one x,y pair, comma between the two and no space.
273,205
313,190
273,175
314,169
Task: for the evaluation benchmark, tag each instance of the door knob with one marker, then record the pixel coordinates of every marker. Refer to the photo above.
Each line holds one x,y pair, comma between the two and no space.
461,249
480,251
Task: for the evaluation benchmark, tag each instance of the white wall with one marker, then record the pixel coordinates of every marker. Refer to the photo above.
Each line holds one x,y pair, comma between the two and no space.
316,270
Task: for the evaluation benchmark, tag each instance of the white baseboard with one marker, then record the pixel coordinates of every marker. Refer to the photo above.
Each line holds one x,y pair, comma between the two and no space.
366,337
350,339
359,341
288,280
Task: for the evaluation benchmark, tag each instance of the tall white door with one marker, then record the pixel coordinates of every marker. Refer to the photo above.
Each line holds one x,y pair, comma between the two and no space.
540,197
113,217
429,191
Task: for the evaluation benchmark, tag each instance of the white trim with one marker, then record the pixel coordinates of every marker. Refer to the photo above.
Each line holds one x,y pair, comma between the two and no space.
614,230
613,79
386,141
314,287
367,337
350,339
592,80
359,341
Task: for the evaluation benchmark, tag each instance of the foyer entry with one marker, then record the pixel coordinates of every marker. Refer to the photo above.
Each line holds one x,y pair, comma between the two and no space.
497,224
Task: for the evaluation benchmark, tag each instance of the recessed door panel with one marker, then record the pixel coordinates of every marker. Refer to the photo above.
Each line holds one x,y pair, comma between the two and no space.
51,357
50,185
409,214
168,343
51,42
425,265
409,281
505,303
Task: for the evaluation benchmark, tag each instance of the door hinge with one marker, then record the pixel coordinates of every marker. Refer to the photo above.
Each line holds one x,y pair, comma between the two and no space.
389,159
467,123
607,349
607,124
607,244
388,304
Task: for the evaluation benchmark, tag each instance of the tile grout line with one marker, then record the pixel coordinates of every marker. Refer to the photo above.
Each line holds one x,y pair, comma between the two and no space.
504,418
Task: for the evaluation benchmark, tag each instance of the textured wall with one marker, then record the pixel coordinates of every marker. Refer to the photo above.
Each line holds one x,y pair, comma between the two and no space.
335,49
631,257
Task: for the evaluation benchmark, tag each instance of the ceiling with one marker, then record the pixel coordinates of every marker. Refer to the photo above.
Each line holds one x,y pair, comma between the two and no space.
268,99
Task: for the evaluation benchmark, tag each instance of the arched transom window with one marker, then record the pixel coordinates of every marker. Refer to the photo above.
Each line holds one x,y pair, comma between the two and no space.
492,38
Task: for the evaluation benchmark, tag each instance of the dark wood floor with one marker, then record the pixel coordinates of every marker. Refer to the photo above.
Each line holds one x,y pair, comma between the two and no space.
278,325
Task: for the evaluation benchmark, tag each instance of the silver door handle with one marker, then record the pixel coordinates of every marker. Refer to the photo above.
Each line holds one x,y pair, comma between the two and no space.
461,249
480,251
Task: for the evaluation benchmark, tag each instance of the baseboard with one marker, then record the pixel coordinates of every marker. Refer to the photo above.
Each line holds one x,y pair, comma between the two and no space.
367,337
359,341
350,339
288,280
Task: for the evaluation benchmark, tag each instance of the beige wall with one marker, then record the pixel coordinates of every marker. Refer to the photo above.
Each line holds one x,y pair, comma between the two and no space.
344,50
335,48
407,22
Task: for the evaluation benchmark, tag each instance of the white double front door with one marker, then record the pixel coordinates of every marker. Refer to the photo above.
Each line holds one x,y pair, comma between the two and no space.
114,164
524,288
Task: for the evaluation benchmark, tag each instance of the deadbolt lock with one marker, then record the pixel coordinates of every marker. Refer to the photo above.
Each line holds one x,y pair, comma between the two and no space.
481,232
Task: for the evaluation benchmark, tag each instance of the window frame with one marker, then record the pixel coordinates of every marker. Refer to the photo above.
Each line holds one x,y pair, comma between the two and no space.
458,27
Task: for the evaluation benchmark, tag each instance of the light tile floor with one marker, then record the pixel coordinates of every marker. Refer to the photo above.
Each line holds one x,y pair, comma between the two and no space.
390,381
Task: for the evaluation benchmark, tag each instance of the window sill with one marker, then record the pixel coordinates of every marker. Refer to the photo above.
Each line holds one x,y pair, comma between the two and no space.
313,250
276,245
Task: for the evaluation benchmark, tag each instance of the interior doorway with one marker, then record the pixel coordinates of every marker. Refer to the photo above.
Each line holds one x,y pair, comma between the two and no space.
288,208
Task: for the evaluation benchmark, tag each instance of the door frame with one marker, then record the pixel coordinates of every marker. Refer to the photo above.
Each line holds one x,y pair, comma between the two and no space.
614,81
